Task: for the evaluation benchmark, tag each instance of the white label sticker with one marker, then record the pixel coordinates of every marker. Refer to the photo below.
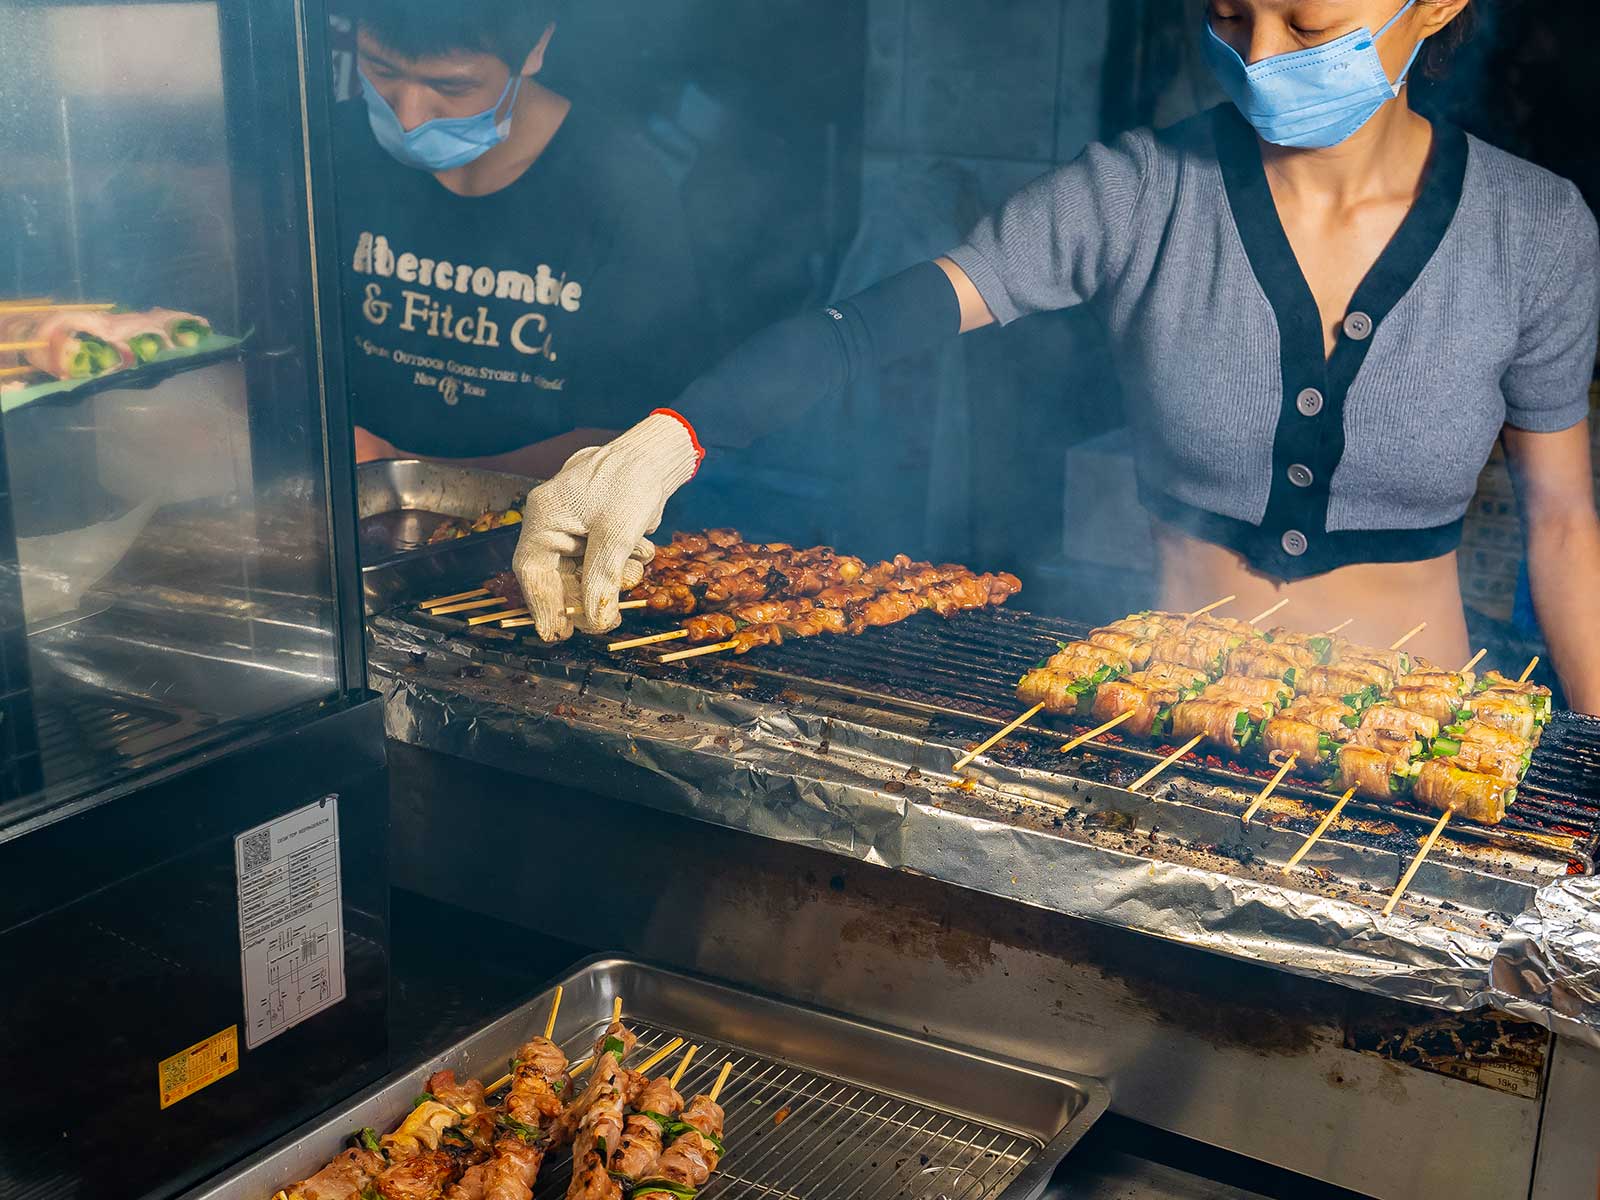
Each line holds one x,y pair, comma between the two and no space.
291,945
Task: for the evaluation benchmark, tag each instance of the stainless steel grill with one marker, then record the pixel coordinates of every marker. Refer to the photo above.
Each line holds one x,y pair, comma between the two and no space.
962,675
835,1139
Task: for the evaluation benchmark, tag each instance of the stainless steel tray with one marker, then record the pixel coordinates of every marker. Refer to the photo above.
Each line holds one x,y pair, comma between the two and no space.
871,1112
398,503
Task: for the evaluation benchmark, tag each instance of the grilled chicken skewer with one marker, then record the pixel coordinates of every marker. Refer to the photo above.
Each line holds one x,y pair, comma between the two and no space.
451,1119
693,1155
851,609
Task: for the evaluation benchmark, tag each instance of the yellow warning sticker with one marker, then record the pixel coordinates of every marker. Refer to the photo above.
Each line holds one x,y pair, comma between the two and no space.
201,1065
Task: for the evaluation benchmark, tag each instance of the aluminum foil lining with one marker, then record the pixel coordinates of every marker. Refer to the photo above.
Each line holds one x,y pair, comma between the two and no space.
882,797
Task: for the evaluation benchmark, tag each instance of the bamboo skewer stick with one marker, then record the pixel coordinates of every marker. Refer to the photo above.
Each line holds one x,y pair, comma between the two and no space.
9,372
549,1028
467,606
1096,732
1344,624
438,600
671,635
42,306
485,618
683,1065
1421,625
659,1056
1168,761
1316,834
1262,616
1427,845
17,347
23,302
1473,661
1523,678
1005,732
583,1067
1215,604
555,1007
722,1078
697,652
1270,788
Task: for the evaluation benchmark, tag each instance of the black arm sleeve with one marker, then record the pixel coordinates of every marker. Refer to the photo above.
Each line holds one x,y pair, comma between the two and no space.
786,368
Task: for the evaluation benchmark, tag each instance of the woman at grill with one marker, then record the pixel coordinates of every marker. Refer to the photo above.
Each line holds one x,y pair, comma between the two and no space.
1326,309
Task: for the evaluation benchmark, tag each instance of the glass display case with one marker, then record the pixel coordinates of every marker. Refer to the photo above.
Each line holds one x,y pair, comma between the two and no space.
193,806
171,509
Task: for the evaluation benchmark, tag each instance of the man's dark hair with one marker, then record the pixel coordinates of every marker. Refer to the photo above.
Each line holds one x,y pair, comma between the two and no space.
507,29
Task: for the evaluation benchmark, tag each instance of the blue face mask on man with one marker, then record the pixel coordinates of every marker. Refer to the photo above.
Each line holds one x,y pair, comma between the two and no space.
1309,99
444,142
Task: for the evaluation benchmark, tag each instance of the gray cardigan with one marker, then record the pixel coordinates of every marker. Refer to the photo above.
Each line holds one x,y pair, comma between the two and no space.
1482,312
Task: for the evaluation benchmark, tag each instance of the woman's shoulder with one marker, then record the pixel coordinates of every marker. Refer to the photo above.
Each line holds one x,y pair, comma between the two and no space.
1521,195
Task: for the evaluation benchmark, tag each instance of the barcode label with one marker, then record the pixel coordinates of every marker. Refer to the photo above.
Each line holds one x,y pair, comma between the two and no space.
256,849
291,944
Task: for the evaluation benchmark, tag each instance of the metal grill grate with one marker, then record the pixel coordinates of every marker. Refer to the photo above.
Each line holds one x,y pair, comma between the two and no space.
967,669
82,733
837,1141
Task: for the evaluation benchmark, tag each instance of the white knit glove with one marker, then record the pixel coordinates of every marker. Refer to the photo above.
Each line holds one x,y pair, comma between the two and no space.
583,532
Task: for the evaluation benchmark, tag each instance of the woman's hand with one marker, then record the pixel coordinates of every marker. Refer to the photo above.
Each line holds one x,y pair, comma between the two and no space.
1555,487
583,531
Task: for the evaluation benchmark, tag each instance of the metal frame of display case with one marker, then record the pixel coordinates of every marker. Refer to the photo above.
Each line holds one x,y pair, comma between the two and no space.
120,926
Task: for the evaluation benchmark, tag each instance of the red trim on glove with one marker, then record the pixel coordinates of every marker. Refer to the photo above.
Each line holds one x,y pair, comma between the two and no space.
694,440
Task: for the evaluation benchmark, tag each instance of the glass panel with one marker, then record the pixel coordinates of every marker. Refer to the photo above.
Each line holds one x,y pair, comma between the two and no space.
170,504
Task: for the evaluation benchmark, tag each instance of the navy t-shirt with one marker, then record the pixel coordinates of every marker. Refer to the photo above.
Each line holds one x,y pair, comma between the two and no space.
477,325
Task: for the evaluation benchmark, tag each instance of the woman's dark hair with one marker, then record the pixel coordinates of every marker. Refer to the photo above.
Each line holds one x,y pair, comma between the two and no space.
1442,47
507,29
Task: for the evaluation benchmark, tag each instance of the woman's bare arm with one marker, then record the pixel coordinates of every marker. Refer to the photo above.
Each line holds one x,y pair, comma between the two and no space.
1555,486
975,312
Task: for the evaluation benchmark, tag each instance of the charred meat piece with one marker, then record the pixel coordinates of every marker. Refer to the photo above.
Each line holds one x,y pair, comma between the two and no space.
1087,658
1266,660
1285,735
1441,785
1268,695
1175,674
1396,723
1226,724
1058,691
477,1122
1203,649
657,1103
591,1180
1135,650
1509,712
505,586
537,1078
345,1177
1331,681
1148,704
1374,774
1439,703
1332,716
423,1176
695,1153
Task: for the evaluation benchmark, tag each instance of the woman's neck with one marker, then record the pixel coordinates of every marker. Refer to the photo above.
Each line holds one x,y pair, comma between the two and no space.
1386,156
536,116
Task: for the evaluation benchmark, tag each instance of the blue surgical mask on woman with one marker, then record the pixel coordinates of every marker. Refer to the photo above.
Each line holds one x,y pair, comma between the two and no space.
1309,99
444,142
